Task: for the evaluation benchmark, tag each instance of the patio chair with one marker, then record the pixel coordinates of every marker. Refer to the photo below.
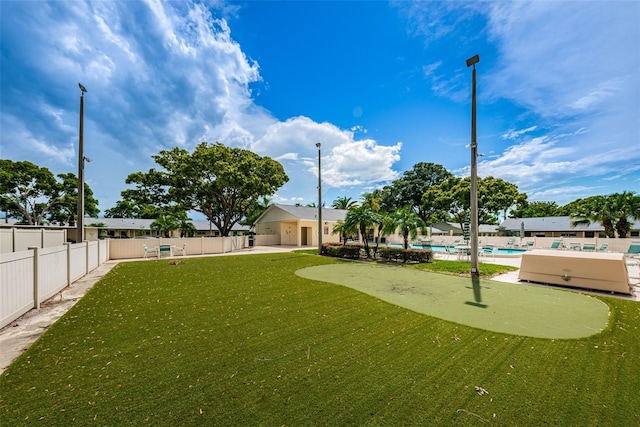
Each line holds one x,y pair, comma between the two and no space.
589,247
148,251
182,249
575,246
557,244
603,247
165,250
634,248
632,255
488,251
510,243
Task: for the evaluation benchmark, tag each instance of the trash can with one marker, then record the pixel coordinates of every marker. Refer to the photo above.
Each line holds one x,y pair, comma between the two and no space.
250,241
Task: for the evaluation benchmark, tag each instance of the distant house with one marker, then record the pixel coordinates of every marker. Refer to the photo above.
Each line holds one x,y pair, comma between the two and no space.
128,228
298,225
453,229
556,226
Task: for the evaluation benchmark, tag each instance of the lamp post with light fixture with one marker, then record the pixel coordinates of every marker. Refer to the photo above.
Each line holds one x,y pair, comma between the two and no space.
471,62
319,204
81,159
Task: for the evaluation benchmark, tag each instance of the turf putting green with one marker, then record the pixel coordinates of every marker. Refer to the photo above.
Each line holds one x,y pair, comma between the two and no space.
515,309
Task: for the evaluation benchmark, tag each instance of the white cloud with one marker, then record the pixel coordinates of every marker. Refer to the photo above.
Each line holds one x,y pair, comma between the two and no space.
513,134
345,160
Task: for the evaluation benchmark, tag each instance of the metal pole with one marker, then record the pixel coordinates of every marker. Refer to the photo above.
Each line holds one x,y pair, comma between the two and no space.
474,174
80,213
319,203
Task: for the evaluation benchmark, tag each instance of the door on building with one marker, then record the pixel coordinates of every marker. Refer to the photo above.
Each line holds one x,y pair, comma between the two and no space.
303,237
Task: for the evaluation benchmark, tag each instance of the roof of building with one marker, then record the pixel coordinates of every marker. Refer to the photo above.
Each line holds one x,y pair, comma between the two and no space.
145,224
552,223
308,213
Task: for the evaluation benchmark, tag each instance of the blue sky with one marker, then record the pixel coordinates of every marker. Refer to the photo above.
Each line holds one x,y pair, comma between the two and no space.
381,85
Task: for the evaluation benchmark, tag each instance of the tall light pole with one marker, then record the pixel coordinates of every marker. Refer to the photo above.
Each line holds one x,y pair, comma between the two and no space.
80,213
319,203
474,172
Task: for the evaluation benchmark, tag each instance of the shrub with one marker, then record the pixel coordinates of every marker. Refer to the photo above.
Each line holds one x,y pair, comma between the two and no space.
390,254
341,251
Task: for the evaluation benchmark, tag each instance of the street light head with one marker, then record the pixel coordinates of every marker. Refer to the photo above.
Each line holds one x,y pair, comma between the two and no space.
473,60
318,144
82,88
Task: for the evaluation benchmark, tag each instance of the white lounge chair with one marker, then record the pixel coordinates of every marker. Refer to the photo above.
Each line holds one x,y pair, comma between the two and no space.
148,251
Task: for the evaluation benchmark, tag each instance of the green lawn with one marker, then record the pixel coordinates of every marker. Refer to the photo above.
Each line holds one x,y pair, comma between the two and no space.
243,340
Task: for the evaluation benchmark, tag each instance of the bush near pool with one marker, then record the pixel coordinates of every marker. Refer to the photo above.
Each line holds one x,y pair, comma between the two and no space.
388,254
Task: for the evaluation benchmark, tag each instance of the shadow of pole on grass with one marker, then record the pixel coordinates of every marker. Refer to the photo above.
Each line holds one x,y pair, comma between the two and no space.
475,284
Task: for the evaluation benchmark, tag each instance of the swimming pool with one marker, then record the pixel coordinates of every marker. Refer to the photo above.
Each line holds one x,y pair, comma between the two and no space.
452,250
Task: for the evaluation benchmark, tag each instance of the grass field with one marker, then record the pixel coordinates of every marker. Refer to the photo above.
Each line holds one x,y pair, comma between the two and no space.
243,340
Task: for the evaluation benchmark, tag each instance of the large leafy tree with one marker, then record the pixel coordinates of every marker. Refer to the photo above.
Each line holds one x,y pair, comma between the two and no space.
496,196
28,191
32,194
258,208
65,209
220,182
527,209
410,188
406,221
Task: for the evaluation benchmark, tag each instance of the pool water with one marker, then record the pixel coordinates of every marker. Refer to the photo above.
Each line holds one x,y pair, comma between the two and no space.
437,248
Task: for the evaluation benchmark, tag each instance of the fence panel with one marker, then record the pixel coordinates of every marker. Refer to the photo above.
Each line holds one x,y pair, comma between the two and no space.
6,241
52,238
92,256
16,285
52,271
103,249
26,239
77,261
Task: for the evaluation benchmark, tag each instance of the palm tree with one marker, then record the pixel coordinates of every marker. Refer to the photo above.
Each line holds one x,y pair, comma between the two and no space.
406,221
372,200
361,218
345,203
625,205
165,224
344,229
613,212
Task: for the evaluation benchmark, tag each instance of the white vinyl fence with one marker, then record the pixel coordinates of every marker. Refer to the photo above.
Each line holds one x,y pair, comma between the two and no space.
134,248
19,239
30,277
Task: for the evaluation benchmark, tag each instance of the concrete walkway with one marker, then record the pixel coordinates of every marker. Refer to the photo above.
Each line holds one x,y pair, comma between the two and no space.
16,337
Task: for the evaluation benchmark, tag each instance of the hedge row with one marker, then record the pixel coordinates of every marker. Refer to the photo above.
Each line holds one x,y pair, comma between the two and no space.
405,255
388,254
339,250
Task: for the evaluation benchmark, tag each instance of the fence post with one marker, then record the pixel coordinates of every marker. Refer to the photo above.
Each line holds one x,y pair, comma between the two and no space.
68,245
36,298
86,257
42,237
13,239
